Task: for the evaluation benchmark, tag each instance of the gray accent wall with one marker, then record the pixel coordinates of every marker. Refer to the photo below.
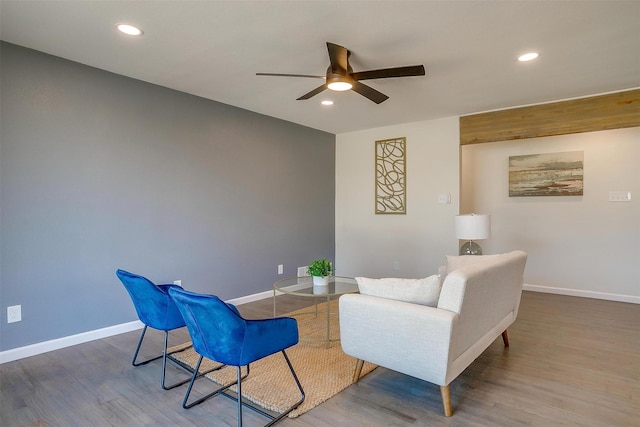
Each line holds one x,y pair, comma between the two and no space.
99,172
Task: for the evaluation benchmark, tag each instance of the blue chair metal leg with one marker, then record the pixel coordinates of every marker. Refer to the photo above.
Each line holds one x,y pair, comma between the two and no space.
135,355
164,356
302,395
239,381
195,376
286,412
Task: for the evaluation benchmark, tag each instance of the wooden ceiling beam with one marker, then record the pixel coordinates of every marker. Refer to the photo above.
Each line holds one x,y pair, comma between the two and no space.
602,112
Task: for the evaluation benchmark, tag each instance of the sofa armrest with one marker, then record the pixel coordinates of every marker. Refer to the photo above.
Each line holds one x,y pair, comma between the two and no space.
409,338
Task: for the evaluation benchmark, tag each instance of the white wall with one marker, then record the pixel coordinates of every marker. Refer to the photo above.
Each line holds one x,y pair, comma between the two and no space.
368,244
580,245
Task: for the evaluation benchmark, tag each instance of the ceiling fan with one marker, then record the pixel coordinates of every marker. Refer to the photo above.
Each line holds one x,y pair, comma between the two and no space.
340,75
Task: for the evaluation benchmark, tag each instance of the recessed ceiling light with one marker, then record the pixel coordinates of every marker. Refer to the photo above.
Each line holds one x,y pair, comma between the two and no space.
129,29
528,56
327,102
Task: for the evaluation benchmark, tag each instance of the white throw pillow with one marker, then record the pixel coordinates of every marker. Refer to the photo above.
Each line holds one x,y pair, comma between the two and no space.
418,291
455,262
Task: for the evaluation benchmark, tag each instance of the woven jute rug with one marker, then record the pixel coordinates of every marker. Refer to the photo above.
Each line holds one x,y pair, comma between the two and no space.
323,372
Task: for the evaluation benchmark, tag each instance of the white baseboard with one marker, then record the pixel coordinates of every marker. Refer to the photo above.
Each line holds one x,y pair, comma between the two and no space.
584,294
45,346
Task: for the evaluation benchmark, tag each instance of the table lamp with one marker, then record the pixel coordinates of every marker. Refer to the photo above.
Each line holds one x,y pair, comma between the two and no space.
472,227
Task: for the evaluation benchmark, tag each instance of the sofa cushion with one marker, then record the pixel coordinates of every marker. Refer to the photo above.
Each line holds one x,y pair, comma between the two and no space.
418,291
455,262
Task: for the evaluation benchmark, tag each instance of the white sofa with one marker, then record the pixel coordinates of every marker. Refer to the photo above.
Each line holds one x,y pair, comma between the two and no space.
478,302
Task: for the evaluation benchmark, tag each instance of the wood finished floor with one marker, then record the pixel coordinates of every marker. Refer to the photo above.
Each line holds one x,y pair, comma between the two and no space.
572,361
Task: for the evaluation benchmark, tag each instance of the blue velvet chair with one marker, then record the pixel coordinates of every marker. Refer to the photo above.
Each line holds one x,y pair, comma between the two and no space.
220,333
157,310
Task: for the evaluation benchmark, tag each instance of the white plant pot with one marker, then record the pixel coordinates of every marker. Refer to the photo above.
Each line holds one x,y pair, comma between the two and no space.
320,289
320,281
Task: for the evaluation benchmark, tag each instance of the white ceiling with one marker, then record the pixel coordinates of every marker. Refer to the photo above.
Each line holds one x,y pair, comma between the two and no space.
469,48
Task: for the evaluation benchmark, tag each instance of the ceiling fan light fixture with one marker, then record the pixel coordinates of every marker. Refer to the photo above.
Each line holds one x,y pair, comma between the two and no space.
339,83
340,86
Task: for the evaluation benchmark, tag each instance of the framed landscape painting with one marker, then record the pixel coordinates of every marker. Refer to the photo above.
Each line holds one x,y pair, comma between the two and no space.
549,174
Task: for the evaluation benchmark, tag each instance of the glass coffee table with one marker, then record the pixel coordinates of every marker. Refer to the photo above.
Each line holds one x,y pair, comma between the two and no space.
304,287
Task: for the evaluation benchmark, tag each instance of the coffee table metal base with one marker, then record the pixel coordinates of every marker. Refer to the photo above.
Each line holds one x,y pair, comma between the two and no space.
303,287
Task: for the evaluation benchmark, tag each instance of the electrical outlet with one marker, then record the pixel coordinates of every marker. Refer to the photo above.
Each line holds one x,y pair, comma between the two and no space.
14,313
396,265
280,268
177,282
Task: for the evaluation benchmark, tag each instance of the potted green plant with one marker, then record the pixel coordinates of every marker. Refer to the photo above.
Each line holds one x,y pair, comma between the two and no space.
320,269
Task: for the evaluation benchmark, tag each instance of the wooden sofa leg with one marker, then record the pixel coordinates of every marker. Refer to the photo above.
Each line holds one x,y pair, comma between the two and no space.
446,400
356,374
505,338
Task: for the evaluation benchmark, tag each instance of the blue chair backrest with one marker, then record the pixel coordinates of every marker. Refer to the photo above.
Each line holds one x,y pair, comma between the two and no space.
217,331
154,305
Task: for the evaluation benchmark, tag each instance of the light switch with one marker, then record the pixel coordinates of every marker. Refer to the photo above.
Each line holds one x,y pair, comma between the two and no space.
619,196
444,198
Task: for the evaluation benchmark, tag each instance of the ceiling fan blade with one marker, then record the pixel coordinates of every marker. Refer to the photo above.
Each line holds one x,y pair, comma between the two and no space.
338,57
369,92
290,75
312,93
413,70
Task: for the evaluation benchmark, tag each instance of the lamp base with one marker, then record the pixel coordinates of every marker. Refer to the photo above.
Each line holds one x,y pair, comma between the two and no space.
471,248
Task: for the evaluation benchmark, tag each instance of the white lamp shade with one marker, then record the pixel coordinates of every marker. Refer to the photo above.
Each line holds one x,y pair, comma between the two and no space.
473,226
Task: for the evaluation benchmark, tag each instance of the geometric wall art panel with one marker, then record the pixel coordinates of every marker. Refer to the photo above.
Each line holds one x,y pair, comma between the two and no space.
391,180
